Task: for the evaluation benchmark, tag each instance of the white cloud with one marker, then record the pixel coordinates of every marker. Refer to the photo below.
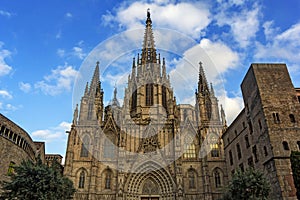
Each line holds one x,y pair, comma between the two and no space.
221,55
78,52
61,52
52,134
58,35
188,18
5,94
25,87
10,107
5,13
68,15
284,46
232,106
4,67
60,80
216,58
244,24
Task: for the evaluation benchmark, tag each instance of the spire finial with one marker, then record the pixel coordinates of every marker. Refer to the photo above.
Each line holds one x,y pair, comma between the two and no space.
212,92
223,117
148,13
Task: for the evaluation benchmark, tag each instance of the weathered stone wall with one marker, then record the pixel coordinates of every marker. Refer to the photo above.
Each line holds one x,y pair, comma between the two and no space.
271,124
15,146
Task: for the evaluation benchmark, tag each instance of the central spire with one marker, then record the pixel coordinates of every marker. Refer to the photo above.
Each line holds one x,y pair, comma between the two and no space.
148,51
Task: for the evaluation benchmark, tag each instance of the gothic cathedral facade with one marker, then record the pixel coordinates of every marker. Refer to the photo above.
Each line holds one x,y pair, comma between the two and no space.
150,148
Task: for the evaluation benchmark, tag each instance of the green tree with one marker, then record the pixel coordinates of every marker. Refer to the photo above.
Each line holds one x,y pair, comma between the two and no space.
295,162
37,181
248,185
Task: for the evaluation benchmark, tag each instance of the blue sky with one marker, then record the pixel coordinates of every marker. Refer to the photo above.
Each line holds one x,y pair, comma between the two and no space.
44,45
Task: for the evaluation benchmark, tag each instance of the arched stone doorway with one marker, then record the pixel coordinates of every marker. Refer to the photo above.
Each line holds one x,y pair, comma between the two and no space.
150,190
150,182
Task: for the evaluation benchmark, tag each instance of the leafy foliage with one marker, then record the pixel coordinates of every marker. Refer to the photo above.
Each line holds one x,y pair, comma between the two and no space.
37,181
295,162
248,185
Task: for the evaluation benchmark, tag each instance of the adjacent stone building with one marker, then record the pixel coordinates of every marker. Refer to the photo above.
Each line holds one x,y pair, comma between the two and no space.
16,145
149,148
267,129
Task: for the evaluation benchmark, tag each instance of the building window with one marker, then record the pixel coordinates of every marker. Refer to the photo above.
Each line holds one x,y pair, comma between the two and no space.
244,126
242,167
217,179
292,118
250,127
108,179
214,146
189,151
265,151
238,149
260,125
149,94
108,149
11,169
191,175
81,179
247,141
134,98
298,143
189,148
285,145
254,151
85,147
276,118
235,132
90,111
250,162
230,157
164,97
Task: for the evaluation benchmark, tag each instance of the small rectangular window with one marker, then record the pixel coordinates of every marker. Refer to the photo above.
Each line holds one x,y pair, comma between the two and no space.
276,118
250,162
254,151
241,167
239,153
230,157
260,125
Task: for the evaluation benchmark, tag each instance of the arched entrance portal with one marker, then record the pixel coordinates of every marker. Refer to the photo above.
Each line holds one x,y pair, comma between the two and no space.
150,190
150,182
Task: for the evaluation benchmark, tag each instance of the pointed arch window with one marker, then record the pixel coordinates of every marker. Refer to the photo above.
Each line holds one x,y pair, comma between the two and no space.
85,147
164,97
217,179
90,111
192,177
108,149
81,179
108,176
149,94
134,98
214,146
189,148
